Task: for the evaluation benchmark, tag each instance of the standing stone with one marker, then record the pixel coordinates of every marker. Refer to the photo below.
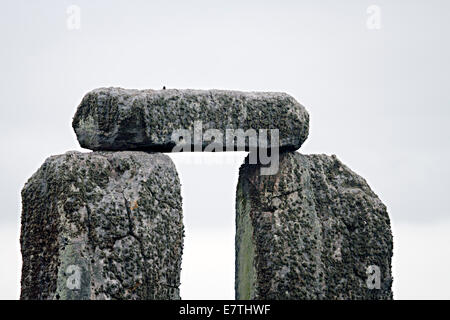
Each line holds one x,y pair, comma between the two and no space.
314,230
125,119
102,225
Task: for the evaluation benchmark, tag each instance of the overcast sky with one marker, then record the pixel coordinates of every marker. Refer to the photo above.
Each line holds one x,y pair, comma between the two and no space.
378,99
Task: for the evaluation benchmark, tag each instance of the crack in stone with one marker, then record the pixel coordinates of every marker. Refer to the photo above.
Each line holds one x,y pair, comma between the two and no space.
90,243
141,246
88,223
285,193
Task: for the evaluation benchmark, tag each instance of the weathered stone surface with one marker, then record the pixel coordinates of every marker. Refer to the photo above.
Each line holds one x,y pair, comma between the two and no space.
310,232
102,225
124,119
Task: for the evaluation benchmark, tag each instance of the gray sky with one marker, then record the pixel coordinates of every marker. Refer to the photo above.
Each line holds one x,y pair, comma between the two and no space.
378,99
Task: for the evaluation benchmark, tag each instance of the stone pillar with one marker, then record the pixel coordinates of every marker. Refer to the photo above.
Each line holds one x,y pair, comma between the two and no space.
314,230
102,225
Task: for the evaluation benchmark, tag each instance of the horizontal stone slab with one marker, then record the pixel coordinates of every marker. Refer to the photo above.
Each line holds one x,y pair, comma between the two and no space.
196,120
314,230
102,225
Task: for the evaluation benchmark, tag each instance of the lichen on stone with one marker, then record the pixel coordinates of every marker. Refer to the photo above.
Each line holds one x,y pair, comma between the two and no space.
126,119
316,227
114,216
